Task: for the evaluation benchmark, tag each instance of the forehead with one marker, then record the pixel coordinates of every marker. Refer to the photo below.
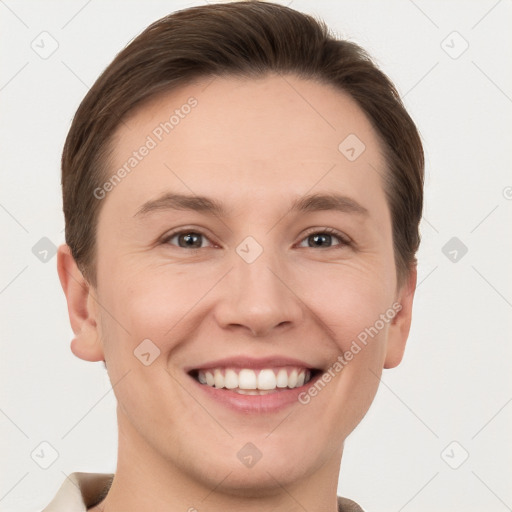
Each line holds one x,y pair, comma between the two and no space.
247,138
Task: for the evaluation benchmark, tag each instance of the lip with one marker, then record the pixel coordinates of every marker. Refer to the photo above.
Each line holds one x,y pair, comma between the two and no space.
253,363
255,404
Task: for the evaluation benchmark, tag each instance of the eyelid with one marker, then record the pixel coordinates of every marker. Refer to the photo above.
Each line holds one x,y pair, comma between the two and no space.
187,229
330,231
346,240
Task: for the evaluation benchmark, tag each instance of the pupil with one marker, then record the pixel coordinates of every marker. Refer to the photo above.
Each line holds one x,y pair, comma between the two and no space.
189,239
319,238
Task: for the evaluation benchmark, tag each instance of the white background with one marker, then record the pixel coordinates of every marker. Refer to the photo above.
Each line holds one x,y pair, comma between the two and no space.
454,383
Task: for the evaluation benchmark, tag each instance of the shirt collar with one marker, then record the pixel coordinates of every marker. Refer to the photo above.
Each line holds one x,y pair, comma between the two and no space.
80,491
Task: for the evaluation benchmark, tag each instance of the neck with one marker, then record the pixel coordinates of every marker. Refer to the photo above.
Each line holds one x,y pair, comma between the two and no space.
144,480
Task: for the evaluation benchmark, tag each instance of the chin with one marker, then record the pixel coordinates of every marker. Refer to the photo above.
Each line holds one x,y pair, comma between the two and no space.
263,476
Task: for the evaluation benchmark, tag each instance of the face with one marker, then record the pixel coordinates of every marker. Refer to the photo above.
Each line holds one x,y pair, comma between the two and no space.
271,285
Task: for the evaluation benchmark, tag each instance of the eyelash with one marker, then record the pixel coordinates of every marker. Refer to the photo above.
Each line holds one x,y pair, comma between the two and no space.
344,240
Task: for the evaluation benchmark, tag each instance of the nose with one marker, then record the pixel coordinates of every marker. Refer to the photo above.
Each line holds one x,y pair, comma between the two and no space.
259,297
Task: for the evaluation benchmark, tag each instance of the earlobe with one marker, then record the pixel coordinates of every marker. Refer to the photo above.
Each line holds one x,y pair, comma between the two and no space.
81,307
401,323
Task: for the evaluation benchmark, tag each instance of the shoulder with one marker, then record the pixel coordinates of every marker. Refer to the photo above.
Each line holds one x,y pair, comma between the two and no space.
346,505
79,491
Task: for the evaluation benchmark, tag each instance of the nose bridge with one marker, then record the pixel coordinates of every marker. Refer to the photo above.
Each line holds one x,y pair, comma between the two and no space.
259,298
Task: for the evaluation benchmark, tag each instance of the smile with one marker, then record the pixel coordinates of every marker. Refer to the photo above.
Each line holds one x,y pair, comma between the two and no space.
248,381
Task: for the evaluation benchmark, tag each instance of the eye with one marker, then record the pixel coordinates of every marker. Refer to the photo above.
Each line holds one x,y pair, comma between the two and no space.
317,238
325,236
187,239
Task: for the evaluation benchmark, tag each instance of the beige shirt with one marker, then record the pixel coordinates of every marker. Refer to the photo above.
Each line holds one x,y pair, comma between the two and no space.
81,491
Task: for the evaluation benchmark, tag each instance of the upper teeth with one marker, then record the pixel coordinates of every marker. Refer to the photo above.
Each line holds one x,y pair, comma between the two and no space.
267,379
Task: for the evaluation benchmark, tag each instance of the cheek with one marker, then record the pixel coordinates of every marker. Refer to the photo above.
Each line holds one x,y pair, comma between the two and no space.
154,304
348,300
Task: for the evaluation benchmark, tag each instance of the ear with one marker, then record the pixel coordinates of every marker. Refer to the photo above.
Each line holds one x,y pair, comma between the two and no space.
400,325
82,307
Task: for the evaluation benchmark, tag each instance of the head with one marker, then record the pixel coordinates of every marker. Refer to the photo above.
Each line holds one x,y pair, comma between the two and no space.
304,177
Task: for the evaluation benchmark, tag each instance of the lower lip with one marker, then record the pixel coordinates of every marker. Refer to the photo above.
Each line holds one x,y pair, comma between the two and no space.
269,403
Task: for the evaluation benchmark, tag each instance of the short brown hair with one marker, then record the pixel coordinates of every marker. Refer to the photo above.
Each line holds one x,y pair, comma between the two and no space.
246,39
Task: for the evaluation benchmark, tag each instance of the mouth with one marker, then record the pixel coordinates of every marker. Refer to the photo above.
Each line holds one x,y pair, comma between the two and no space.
252,381
254,385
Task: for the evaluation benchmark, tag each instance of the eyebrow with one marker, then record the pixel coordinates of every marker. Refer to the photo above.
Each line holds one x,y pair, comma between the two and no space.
304,204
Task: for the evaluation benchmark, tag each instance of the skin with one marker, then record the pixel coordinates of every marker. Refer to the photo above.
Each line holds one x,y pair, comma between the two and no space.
254,145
